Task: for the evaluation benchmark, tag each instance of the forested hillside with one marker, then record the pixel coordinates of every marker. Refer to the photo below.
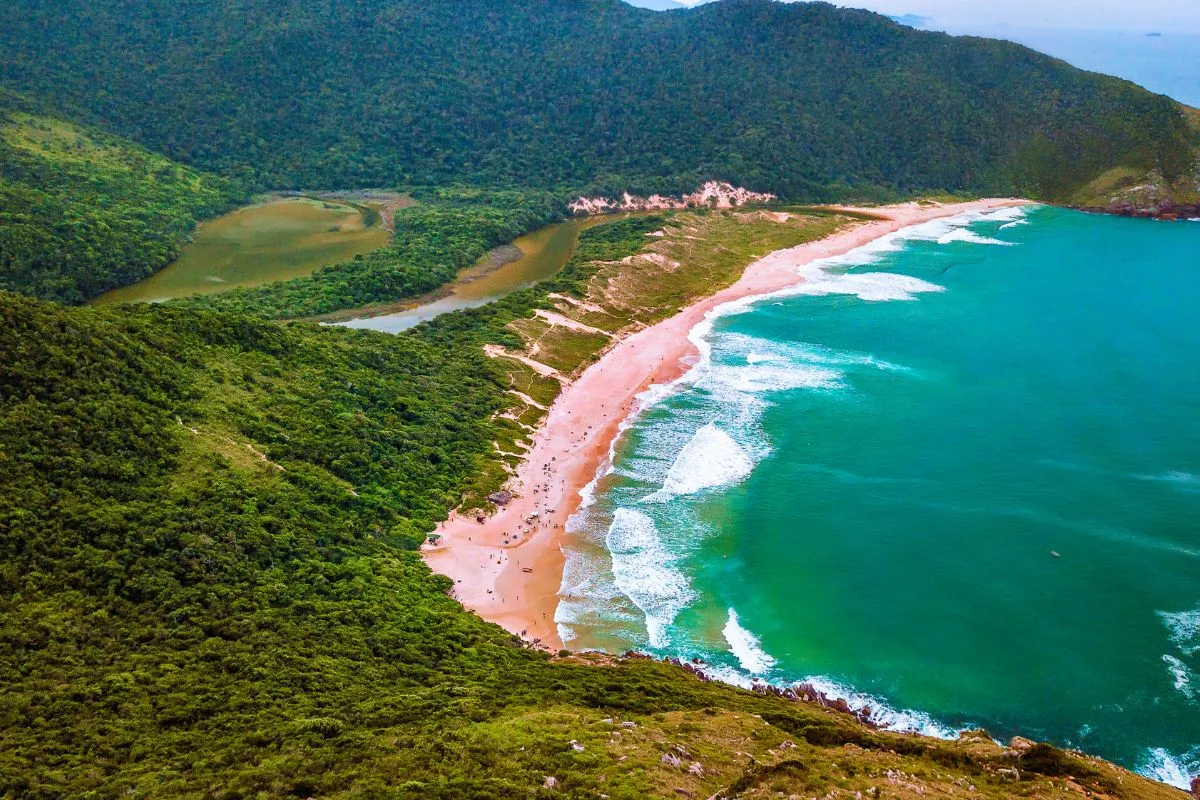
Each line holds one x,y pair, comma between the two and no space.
804,100
82,212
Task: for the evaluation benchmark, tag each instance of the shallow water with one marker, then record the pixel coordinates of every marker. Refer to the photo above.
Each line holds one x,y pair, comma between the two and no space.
272,241
954,477
544,252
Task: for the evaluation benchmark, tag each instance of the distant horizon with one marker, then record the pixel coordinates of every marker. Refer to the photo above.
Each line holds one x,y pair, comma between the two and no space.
1114,42
1162,16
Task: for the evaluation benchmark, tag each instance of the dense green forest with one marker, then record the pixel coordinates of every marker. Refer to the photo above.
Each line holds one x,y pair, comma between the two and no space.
805,99
208,587
82,212
432,242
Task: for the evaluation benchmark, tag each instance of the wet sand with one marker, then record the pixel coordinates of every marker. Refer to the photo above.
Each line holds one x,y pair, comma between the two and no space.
514,581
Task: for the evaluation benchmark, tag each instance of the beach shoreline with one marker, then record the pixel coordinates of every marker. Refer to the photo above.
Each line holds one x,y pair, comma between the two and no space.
508,568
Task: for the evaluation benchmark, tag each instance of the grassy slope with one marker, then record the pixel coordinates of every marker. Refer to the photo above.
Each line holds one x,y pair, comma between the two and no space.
82,212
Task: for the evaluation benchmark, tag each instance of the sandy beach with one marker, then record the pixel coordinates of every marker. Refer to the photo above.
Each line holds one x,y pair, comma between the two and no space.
514,580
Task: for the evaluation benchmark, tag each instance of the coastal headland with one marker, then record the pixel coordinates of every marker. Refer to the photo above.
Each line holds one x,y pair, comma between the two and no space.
507,566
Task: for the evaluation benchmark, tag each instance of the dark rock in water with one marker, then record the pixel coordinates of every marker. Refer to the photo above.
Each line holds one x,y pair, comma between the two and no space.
505,254
500,498
1196,787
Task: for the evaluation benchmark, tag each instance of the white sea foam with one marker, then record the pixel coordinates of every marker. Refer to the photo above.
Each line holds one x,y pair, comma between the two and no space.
644,570
746,647
710,460
588,594
1184,628
1174,770
969,237
1007,215
759,378
1181,676
870,286
883,715
765,351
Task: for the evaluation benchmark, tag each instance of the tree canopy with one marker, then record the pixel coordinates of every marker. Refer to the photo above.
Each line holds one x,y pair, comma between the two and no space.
803,99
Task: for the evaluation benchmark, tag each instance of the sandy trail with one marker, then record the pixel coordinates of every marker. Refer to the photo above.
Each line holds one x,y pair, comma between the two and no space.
508,569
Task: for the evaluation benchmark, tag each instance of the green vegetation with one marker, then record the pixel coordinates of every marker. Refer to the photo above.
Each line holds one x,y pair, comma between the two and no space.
208,589
806,100
449,231
82,212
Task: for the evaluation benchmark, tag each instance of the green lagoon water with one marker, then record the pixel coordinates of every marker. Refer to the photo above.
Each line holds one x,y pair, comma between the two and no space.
955,477
276,240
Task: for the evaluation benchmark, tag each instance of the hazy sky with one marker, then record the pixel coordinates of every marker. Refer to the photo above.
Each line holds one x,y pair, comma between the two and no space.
1166,16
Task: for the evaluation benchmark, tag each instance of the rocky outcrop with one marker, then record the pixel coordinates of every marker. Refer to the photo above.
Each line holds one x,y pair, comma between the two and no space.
1164,210
713,194
1152,196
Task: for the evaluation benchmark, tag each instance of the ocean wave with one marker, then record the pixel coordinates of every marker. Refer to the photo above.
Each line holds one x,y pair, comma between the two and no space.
878,711
759,378
882,714
931,231
1174,770
869,286
644,571
1183,628
746,647
756,351
1180,675
1186,481
710,460
1008,215
970,237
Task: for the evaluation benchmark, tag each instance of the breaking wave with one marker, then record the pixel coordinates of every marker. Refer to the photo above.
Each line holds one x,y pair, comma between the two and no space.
710,460
1183,628
870,286
878,711
746,647
1171,769
970,237
1180,675
645,572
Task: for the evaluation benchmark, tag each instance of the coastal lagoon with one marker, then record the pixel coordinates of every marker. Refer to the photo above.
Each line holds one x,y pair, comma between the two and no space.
954,477
272,241
539,255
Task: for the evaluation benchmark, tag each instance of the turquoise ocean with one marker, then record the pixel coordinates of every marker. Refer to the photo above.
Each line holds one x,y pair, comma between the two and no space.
954,476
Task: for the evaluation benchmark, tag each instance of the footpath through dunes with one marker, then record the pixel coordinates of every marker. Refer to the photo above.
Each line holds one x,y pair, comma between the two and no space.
579,372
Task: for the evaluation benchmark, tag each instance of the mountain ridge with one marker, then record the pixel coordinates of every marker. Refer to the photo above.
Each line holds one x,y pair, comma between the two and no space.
802,100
